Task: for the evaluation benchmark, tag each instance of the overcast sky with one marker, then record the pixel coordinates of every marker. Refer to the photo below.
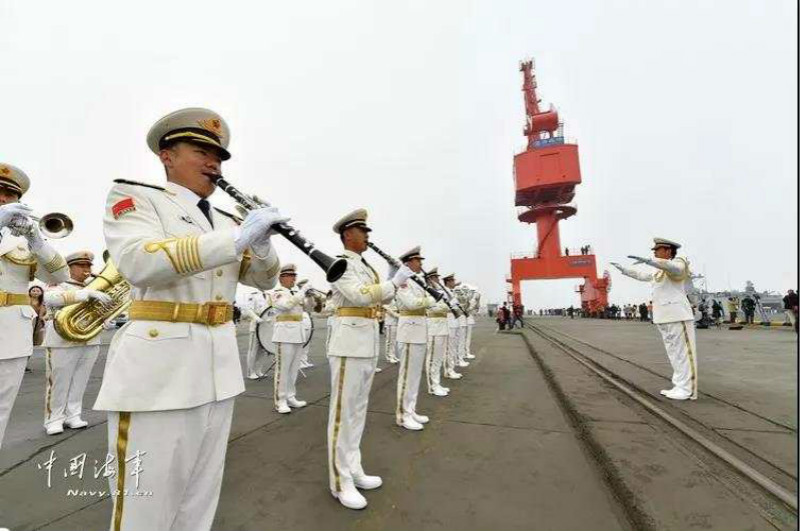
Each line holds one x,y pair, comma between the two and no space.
685,115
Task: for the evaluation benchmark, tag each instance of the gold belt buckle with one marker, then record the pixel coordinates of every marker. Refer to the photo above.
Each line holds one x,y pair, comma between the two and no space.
216,313
3,298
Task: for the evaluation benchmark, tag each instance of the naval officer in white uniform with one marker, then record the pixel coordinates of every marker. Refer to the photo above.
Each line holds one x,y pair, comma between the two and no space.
672,313
288,335
353,352
173,370
24,255
438,336
68,363
412,341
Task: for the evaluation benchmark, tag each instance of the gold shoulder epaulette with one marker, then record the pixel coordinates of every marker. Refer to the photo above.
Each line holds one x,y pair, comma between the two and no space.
136,183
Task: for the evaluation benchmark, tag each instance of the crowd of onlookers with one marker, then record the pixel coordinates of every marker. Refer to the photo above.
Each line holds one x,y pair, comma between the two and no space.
509,317
712,311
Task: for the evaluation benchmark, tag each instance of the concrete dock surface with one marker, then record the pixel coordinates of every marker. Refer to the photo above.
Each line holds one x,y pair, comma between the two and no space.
528,439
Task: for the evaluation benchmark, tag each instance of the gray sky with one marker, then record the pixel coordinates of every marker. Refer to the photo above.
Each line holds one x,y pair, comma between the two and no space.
685,114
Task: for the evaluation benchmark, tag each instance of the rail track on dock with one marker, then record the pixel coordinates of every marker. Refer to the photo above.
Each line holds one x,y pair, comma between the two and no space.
770,485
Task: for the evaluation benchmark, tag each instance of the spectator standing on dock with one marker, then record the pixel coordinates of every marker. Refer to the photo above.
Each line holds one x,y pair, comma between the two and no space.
733,308
790,307
643,312
502,317
749,309
717,312
672,314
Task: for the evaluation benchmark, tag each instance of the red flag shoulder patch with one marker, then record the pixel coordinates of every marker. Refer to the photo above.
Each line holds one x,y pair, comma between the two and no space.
123,206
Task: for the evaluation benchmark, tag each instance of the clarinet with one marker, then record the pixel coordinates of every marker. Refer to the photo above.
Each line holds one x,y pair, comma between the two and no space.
334,267
450,298
421,283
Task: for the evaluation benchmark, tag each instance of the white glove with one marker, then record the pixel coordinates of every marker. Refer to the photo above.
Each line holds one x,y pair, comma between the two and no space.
256,230
639,259
402,275
34,237
86,294
12,210
305,288
392,271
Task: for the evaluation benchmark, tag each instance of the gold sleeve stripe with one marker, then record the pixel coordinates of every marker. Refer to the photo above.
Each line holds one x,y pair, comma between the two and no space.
69,297
55,263
188,255
244,266
183,253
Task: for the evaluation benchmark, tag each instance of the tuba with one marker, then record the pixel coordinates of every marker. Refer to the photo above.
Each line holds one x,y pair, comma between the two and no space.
84,320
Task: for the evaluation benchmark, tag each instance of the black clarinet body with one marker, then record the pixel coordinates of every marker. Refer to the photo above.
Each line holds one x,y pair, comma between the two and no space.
334,267
437,295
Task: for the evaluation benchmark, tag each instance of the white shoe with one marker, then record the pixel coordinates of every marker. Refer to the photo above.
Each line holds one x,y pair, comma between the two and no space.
76,424
366,482
283,408
422,419
253,376
676,394
445,389
294,402
439,392
462,363
378,369
666,392
410,424
350,498
453,375
470,356
393,360
55,429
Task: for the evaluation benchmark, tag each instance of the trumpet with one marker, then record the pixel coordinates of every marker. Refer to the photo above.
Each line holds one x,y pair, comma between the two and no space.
334,267
54,225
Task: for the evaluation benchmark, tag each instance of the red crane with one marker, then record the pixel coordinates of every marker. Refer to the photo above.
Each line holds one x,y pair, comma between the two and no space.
545,177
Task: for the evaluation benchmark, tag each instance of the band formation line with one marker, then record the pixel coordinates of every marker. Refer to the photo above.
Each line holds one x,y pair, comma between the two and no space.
173,371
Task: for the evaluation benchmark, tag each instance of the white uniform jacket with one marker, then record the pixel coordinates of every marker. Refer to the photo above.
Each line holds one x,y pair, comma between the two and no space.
412,298
437,319
474,303
57,297
359,287
288,304
165,247
669,289
18,266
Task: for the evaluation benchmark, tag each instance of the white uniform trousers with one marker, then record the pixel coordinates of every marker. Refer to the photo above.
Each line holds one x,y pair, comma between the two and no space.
462,343
11,373
351,380
412,360
252,353
391,342
437,347
452,350
468,347
181,460
68,371
287,365
679,340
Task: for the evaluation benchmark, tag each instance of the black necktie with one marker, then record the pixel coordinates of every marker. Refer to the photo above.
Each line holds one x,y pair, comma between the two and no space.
205,207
